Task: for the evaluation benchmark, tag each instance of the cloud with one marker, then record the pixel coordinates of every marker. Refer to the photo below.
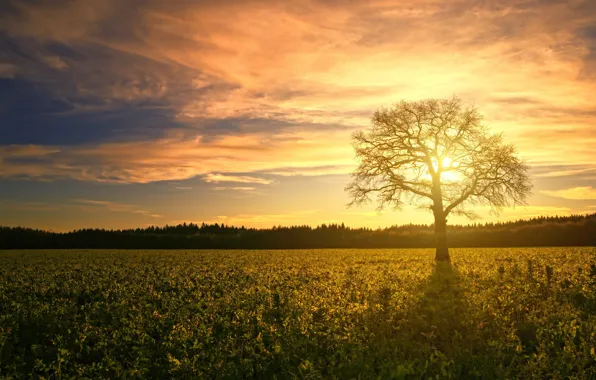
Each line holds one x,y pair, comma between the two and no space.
575,193
234,97
176,158
20,151
365,214
235,188
183,188
565,172
115,207
8,70
84,205
29,205
312,171
582,174
216,178
54,62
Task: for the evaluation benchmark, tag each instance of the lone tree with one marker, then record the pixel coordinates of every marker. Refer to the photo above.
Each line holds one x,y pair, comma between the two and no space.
436,154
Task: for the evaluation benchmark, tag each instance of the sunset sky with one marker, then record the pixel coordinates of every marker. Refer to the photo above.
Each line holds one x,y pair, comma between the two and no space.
121,114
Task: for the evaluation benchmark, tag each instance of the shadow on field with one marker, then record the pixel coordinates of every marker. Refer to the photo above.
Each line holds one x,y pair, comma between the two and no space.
437,319
437,334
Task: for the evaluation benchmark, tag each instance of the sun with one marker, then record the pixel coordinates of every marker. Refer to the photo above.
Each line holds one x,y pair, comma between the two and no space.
449,175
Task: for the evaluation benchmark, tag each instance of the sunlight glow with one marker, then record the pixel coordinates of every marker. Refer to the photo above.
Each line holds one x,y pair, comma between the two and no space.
446,176
450,176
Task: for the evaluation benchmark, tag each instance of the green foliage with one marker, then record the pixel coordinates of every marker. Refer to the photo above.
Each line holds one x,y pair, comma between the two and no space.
343,314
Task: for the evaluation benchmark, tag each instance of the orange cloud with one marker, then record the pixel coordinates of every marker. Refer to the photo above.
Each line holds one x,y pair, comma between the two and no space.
182,158
235,188
84,205
26,151
216,178
576,193
525,65
8,70
55,62
117,207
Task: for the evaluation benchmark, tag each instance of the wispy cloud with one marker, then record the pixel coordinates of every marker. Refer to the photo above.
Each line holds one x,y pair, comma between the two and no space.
575,193
366,214
117,207
84,205
176,158
28,205
235,188
312,170
8,70
216,178
26,151
54,62
552,173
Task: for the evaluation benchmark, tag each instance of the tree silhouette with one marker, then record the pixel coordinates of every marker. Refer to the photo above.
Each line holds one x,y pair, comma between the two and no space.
436,154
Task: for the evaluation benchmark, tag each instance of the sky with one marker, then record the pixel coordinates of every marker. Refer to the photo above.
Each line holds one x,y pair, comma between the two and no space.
119,114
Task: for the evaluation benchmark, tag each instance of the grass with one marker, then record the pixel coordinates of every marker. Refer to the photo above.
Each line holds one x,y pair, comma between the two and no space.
494,314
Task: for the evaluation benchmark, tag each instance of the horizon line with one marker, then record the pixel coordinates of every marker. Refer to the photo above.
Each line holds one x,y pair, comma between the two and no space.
188,224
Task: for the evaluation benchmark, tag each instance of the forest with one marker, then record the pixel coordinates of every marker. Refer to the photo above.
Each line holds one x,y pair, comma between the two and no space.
575,230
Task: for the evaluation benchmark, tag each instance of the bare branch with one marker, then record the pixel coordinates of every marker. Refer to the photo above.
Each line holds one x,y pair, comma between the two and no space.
402,157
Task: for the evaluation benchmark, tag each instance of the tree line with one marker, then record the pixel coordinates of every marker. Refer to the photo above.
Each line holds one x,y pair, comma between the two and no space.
575,230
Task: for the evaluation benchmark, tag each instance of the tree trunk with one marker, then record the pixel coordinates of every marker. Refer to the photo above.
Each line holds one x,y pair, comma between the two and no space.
442,252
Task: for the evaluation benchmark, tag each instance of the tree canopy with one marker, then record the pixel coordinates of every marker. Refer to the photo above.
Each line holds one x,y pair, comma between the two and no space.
438,155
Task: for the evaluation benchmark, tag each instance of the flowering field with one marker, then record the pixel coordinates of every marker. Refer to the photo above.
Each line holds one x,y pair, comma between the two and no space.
497,313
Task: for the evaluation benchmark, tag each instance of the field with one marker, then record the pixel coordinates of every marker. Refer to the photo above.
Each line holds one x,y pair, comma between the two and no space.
498,313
